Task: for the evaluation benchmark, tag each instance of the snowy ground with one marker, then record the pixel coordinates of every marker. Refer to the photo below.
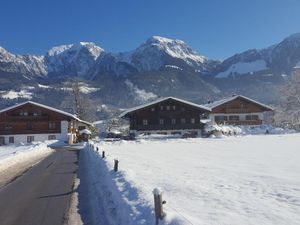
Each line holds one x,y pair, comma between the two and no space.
15,159
226,181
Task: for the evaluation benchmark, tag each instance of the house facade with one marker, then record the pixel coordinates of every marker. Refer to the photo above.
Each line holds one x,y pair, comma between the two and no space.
167,116
31,121
240,110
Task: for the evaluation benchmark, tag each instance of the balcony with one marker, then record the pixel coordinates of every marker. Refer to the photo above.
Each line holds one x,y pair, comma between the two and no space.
166,127
236,110
241,122
29,118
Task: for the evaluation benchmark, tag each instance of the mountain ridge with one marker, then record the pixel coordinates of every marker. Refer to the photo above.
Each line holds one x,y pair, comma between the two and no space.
154,54
158,67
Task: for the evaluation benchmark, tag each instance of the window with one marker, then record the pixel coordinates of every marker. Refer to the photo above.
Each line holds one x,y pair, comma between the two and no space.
182,120
51,137
252,117
192,120
29,126
161,121
11,140
51,125
152,109
145,122
8,127
173,121
234,118
174,107
37,113
25,113
30,139
221,118
161,107
168,107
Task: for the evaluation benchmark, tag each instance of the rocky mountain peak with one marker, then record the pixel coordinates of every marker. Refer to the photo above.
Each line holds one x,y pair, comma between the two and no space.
158,52
72,60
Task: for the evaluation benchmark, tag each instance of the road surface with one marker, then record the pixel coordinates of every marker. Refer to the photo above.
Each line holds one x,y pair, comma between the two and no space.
42,195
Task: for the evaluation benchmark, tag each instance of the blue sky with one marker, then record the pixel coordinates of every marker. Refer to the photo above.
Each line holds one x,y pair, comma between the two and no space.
214,28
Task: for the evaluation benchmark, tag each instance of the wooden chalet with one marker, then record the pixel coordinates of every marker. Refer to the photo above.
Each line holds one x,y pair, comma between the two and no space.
167,116
240,110
31,121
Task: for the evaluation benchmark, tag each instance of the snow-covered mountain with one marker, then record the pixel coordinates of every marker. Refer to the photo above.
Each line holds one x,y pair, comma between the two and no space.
26,65
158,52
155,54
72,60
277,59
158,67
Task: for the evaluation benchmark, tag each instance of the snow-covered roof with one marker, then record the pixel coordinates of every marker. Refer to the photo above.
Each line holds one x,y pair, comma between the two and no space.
161,100
46,107
215,104
85,131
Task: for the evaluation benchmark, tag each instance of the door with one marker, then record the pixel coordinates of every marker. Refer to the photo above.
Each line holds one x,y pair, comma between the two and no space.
2,141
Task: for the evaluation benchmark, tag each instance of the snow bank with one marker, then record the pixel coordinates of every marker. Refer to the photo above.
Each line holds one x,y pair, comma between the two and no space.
235,180
106,197
221,130
13,154
15,159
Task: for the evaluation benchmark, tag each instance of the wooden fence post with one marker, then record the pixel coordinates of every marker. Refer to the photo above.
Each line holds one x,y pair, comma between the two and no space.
97,149
158,205
103,154
116,167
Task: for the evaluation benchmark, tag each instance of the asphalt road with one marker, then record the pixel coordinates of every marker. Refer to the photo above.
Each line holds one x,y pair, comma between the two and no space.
42,195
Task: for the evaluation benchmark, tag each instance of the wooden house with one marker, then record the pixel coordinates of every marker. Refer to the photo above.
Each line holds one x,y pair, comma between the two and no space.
167,116
31,121
240,110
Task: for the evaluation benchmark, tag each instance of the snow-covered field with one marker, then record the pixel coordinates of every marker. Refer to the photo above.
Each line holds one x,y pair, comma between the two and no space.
227,181
14,159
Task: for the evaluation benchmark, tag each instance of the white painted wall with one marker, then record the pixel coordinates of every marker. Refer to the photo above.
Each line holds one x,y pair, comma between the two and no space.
62,136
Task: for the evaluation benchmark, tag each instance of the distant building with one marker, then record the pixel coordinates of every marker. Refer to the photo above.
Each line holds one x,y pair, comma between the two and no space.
240,110
167,116
31,121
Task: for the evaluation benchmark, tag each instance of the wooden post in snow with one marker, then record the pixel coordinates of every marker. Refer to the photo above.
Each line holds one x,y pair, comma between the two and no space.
116,166
103,154
158,205
97,149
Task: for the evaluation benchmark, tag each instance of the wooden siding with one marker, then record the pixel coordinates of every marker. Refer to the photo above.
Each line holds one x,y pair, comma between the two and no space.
167,111
239,105
30,119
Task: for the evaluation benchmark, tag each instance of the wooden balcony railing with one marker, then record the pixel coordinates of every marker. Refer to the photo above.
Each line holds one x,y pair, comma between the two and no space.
166,127
241,122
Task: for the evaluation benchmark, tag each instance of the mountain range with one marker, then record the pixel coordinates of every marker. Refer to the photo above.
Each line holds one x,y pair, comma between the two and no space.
158,67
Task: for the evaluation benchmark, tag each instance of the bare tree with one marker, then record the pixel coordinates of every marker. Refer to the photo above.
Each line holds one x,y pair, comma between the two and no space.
80,110
79,103
288,112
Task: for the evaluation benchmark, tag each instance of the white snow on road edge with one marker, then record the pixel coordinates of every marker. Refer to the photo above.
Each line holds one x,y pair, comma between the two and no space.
15,159
106,197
